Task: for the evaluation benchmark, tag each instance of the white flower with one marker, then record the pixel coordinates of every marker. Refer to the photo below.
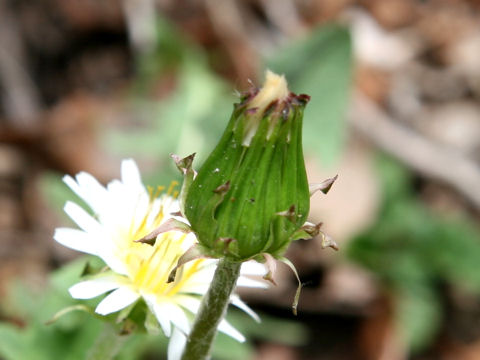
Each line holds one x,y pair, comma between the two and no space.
123,212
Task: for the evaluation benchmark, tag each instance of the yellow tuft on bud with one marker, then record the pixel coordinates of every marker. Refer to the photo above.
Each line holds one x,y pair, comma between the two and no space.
274,88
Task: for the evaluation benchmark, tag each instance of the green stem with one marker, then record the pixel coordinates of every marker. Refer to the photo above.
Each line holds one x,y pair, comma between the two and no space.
212,310
107,345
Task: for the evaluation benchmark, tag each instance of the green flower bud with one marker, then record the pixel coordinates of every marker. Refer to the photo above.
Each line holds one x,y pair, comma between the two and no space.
251,196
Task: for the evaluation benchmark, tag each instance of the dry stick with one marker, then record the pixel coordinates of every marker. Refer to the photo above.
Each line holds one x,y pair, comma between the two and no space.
284,15
426,157
229,24
21,100
140,18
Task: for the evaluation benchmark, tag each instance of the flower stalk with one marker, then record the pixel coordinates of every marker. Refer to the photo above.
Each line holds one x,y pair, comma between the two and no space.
212,311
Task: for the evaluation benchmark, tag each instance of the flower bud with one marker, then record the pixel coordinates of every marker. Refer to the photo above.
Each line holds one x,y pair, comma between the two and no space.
251,196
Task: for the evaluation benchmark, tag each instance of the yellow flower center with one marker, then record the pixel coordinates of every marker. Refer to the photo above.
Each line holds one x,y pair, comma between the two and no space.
149,266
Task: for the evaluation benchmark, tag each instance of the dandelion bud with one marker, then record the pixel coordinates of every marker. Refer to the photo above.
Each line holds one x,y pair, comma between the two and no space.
251,196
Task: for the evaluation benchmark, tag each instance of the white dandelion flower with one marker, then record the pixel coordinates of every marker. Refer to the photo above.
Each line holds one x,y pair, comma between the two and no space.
124,211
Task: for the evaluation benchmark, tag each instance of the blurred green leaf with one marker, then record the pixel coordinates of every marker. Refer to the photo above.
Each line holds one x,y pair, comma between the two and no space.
56,193
11,343
320,66
171,49
412,250
226,348
418,315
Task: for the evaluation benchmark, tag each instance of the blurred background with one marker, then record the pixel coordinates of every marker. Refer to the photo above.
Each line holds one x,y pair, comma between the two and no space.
395,112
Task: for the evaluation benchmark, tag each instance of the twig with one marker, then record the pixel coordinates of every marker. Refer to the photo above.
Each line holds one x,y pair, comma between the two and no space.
284,15
21,99
229,26
428,158
140,17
